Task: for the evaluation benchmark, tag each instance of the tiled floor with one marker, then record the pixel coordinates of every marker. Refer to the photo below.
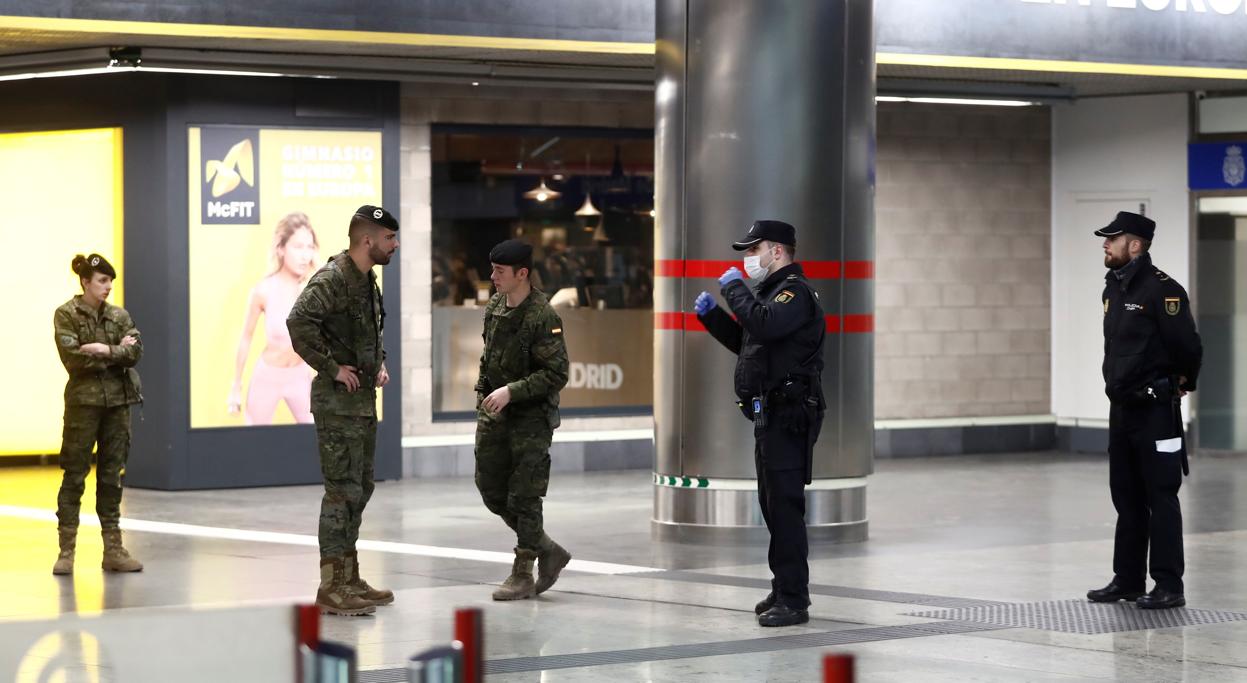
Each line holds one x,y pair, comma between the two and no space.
945,532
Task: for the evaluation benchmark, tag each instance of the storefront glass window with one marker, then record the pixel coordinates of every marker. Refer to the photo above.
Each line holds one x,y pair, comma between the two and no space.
584,199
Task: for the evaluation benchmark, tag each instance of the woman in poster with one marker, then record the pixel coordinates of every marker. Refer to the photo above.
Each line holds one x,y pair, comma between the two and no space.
280,374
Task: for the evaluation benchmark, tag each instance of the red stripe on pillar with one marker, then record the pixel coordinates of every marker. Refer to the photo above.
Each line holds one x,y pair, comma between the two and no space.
670,268
678,321
859,324
711,268
849,324
815,270
821,270
859,270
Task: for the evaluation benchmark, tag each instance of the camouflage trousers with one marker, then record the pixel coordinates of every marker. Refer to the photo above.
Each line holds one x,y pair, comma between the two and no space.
347,446
84,427
513,470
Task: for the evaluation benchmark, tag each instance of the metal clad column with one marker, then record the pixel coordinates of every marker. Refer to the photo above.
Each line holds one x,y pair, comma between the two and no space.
764,110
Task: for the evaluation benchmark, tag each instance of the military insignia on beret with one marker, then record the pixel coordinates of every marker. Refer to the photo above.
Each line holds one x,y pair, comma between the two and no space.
378,214
1173,305
784,297
95,261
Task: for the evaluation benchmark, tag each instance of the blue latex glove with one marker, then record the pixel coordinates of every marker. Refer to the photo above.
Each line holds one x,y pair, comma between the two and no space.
704,303
730,274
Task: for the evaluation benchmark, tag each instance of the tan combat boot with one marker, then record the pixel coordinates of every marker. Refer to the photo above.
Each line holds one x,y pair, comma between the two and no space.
65,561
334,596
551,558
519,585
377,596
116,558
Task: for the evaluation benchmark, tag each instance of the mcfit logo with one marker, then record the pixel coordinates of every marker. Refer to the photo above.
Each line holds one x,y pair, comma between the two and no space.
230,189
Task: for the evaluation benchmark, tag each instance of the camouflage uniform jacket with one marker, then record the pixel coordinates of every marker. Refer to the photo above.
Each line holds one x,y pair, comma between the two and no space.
525,351
337,320
95,381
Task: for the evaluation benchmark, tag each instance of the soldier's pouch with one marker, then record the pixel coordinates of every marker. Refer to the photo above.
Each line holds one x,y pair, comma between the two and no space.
136,384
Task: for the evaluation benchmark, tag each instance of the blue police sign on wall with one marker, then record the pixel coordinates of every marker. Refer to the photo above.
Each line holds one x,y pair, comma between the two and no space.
1216,166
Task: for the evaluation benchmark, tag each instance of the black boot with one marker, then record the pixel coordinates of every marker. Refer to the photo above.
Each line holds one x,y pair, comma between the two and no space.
766,604
1160,598
1112,593
783,615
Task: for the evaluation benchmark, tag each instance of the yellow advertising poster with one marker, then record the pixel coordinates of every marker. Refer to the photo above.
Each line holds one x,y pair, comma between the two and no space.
268,207
60,195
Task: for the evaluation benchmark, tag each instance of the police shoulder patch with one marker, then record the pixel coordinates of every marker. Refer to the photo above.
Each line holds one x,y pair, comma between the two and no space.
1160,275
1173,305
784,296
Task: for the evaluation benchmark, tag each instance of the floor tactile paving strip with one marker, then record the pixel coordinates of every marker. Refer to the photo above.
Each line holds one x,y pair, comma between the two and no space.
1081,616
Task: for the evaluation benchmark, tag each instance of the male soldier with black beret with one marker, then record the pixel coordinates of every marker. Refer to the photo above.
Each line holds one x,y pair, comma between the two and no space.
523,368
335,326
1152,356
778,338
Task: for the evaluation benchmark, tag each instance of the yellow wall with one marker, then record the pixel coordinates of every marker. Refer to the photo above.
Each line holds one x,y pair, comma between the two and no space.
60,195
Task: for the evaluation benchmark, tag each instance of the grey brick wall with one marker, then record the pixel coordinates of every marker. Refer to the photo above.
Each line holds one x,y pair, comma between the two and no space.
963,224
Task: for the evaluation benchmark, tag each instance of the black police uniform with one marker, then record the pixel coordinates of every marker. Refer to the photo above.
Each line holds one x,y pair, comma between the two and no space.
778,336
1150,341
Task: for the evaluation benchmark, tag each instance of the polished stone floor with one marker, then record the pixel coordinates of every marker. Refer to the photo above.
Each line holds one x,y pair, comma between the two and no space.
996,551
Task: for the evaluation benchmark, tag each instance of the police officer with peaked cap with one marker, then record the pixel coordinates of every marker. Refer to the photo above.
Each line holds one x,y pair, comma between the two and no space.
778,338
1152,356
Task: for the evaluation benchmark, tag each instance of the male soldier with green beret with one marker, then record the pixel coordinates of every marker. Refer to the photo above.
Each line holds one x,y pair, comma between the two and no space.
522,370
335,326
99,347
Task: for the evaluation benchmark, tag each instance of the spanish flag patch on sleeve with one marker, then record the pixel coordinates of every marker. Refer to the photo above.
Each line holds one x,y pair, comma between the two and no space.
784,297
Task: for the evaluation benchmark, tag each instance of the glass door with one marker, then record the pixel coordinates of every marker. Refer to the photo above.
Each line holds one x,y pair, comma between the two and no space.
1222,320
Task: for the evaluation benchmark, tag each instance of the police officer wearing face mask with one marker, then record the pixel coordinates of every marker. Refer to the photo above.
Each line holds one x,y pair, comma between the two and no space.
778,338
1152,356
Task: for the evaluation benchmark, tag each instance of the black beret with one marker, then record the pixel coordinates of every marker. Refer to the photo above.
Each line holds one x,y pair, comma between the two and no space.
1132,223
88,266
378,215
773,231
512,253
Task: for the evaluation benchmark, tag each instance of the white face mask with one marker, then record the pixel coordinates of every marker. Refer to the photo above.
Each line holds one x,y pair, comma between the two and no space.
754,267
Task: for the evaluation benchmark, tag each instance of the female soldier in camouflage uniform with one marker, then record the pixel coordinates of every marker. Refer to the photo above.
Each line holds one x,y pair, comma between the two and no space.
99,347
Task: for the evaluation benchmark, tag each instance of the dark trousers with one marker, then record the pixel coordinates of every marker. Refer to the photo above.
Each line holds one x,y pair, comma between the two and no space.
779,456
1144,481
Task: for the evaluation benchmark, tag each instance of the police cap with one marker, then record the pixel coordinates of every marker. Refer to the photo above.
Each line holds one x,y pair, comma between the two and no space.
772,231
378,215
512,253
86,266
1133,223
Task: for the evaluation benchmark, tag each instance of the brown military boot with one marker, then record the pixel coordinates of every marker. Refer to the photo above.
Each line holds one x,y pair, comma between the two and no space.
551,558
377,596
334,596
519,585
116,558
65,561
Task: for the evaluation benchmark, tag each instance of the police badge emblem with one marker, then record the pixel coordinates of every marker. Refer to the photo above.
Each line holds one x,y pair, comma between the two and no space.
1173,305
784,297
1233,169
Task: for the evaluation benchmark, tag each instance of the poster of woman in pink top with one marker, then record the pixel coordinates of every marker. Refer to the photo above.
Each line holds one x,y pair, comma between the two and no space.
279,374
